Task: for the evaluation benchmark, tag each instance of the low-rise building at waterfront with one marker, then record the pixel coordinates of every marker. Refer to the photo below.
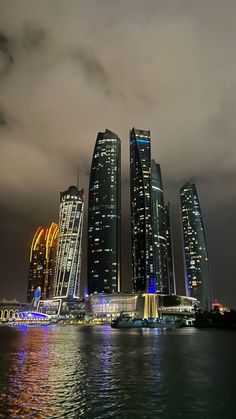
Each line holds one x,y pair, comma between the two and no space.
177,305
106,307
9,309
138,304
111,305
61,308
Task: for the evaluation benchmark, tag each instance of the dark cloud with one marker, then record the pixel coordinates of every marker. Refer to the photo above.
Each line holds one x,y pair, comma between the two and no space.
4,45
6,57
93,69
33,37
7,122
3,120
73,69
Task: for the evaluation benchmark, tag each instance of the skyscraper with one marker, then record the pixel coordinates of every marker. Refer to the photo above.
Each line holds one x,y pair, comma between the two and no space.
50,260
141,212
159,230
68,263
42,261
104,213
170,254
197,274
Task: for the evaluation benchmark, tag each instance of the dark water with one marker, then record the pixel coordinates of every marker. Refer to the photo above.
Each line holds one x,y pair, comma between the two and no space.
98,372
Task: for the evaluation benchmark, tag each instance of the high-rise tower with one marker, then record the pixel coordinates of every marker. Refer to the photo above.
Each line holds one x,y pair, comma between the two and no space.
197,274
141,212
104,212
42,261
68,263
37,263
159,230
170,253
50,260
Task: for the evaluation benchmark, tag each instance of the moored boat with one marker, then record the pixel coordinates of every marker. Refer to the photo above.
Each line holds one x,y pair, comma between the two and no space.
126,322
189,322
31,318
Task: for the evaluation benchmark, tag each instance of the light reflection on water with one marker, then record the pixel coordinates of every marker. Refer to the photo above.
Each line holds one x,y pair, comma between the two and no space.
99,372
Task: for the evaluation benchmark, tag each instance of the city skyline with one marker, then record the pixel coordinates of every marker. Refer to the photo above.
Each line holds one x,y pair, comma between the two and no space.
70,68
117,208
55,255
141,164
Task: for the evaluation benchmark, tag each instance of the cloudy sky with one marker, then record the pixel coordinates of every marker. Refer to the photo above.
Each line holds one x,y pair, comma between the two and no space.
69,69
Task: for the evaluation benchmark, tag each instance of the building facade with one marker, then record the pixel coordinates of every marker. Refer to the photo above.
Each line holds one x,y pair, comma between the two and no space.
68,262
50,261
170,252
10,309
63,308
111,305
197,273
104,215
135,304
141,212
159,230
42,262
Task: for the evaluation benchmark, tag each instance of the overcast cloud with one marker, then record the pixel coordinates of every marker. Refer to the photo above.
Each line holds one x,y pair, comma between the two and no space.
69,69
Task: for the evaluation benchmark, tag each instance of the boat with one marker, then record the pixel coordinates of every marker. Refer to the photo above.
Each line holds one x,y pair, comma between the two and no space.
189,322
31,318
162,324
126,322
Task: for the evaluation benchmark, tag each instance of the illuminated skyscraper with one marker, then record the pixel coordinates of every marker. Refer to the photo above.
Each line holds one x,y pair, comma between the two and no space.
141,212
50,260
197,274
159,230
42,262
170,253
104,212
68,263
37,263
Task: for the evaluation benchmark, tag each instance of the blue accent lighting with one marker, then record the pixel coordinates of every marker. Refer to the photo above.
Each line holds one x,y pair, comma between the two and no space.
141,141
152,285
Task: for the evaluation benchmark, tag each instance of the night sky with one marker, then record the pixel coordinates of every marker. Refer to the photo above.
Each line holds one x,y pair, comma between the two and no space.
69,69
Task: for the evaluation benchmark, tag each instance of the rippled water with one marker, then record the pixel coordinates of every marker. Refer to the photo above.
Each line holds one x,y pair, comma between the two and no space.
99,372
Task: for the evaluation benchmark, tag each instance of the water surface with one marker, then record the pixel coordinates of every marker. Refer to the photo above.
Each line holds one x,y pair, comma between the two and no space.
99,372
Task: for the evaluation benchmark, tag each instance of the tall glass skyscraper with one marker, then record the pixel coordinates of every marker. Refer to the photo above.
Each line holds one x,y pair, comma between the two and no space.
141,212
197,274
170,253
104,212
42,262
68,263
159,230
50,260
